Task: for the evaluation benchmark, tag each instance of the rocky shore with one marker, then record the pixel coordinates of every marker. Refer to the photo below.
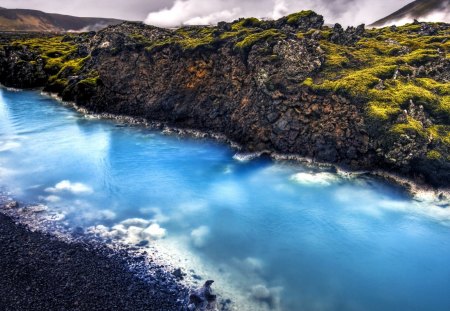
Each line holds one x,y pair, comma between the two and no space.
292,87
40,272
362,99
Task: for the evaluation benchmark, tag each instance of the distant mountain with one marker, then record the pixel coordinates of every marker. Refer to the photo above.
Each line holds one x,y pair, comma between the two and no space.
33,20
430,10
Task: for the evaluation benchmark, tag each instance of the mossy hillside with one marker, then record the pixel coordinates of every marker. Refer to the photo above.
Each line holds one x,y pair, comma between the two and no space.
60,58
242,34
52,50
379,72
295,18
91,81
248,41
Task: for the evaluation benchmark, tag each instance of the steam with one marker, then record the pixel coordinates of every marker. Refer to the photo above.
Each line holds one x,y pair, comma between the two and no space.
200,12
435,16
94,27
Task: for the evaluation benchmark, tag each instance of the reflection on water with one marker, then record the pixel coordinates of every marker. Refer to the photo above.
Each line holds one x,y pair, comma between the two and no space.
275,236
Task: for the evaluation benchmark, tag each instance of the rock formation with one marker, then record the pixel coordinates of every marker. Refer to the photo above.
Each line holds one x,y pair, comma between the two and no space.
364,99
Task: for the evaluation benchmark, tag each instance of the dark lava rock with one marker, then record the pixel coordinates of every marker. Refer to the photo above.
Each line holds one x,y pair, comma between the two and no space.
39,272
202,299
252,91
179,274
11,204
348,37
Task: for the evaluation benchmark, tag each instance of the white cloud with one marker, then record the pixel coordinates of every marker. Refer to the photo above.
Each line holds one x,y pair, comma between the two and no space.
249,264
319,179
367,202
154,232
129,233
443,16
192,11
280,9
68,186
99,215
156,213
260,292
9,145
52,198
138,222
346,12
200,235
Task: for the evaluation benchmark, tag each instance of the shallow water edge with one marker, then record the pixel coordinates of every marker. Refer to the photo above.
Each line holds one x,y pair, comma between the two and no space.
218,170
417,190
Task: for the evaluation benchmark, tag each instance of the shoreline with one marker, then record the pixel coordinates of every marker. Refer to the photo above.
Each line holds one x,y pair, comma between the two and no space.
44,272
289,158
415,188
151,273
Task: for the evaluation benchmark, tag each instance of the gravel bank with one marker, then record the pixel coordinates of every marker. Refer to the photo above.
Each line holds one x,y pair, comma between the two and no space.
39,272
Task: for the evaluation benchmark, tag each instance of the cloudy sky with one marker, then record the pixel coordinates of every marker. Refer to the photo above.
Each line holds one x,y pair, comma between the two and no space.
177,12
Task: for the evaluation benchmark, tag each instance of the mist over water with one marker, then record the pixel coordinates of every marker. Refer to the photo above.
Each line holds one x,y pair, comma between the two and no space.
274,236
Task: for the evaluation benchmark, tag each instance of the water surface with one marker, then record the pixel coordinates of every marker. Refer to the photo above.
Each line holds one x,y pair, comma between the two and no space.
276,236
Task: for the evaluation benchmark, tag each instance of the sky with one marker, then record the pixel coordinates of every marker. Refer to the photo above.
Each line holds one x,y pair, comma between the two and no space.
169,13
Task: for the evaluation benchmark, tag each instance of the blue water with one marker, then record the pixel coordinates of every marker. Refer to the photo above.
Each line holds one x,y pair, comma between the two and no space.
286,236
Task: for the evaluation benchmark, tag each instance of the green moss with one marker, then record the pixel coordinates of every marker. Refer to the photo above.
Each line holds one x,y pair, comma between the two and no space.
411,127
294,18
50,47
379,70
248,41
434,155
90,82
57,82
57,55
358,83
434,86
250,22
75,65
239,34
444,106
381,110
308,82
419,57
440,133
398,92
187,38
139,38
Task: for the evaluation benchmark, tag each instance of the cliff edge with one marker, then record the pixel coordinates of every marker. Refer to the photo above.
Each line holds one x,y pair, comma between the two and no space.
364,99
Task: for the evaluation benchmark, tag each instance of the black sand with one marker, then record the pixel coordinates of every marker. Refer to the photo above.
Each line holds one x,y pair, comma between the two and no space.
39,272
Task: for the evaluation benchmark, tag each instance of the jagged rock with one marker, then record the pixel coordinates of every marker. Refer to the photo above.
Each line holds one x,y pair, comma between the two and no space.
302,21
179,274
255,95
202,299
11,204
348,37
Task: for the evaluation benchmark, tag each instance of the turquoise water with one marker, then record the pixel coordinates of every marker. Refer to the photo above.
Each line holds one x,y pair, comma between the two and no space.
284,236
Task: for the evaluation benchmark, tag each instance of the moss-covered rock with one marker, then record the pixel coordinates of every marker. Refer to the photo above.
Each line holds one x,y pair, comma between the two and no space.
366,98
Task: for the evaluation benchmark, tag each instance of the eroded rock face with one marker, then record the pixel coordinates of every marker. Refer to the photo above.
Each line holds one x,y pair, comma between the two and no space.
255,101
22,66
253,95
346,37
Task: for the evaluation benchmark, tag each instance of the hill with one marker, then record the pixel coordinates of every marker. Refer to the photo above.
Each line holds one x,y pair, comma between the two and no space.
37,21
419,9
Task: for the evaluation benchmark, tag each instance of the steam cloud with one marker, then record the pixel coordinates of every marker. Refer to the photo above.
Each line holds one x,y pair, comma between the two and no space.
436,16
94,27
198,12
68,186
172,13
